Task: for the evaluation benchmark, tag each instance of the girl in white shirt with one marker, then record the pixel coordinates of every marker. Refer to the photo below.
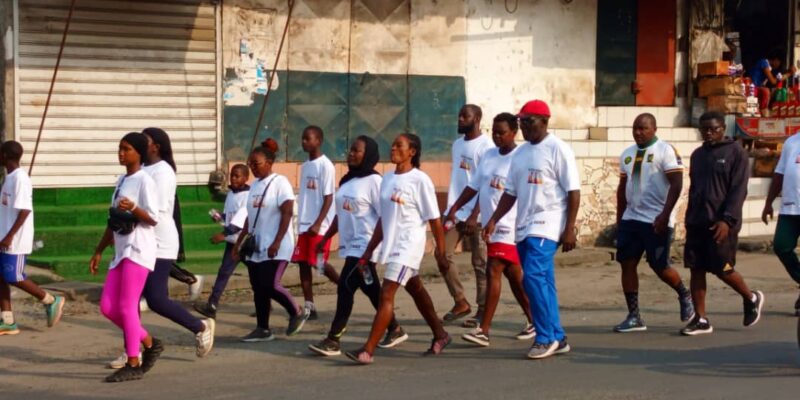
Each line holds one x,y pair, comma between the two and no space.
134,257
270,209
408,204
160,166
357,212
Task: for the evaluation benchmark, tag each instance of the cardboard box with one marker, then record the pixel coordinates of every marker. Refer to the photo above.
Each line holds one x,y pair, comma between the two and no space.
714,68
728,104
719,85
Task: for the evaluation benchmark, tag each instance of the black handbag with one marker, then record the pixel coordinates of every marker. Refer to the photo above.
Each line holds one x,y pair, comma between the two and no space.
121,222
182,275
249,244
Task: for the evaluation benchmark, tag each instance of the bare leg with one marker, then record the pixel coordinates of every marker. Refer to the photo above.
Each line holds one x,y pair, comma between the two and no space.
5,296
331,273
424,304
514,275
306,281
698,288
670,276
31,288
494,285
736,282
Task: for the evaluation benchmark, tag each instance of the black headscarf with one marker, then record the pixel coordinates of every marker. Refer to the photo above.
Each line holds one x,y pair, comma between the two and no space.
367,167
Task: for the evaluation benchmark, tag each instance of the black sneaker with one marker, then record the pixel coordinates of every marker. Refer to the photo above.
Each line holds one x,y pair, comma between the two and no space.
752,310
687,307
632,323
327,347
258,335
207,309
296,324
696,327
393,338
126,373
151,354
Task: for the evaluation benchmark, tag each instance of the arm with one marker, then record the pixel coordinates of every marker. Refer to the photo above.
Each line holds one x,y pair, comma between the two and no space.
463,199
675,179
327,201
21,217
622,199
332,231
438,237
731,215
141,214
569,237
287,210
770,78
774,189
105,240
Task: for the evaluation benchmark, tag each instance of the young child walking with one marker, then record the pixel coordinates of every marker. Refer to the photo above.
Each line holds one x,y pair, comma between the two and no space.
234,215
16,229
315,214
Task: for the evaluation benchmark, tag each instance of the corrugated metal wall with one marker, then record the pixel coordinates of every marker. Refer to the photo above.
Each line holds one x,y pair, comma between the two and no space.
127,65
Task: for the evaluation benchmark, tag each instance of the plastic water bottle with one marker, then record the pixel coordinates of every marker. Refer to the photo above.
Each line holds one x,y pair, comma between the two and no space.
320,265
366,272
449,225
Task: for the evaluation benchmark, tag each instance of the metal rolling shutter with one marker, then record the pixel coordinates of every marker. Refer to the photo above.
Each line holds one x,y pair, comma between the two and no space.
127,65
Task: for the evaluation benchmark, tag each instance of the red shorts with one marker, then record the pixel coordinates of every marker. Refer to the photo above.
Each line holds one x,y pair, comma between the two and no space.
305,251
503,251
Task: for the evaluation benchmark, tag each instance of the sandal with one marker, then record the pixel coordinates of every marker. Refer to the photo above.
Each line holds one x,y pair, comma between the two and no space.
452,316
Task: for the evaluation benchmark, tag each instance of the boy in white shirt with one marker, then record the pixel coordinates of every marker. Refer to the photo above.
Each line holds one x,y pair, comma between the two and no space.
234,215
463,223
315,214
543,180
16,230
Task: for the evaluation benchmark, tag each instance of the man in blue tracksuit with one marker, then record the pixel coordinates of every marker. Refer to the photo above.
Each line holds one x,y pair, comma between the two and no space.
543,181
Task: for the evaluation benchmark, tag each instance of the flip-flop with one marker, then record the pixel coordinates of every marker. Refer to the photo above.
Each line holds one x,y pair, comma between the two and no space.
451,316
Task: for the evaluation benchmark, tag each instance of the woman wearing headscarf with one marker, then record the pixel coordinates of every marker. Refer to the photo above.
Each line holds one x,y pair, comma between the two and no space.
357,212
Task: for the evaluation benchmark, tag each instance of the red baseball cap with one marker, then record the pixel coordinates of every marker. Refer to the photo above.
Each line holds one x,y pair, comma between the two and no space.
535,107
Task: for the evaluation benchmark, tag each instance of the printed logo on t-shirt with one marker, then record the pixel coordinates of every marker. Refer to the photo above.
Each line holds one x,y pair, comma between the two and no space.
650,158
348,205
5,198
397,196
311,182
465,161
258,201
497,182
628,160
535,177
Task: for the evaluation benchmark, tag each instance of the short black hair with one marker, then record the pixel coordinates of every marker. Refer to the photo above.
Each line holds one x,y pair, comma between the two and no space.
713,115
776,54
12,150
648,116
509,118
475,110
242,169
317,131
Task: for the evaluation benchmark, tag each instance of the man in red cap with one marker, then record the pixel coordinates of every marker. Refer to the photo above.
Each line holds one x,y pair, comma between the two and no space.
544,182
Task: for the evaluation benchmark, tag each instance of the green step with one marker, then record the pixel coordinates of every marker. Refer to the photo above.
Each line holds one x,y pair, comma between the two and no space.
102,195
47,216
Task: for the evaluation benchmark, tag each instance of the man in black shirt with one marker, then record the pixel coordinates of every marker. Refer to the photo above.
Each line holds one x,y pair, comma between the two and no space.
718,172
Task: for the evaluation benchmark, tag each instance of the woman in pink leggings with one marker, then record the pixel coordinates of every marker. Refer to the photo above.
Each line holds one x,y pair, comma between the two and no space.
132,218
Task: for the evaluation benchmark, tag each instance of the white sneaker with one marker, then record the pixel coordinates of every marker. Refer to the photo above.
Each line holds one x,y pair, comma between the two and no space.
539,350
196,288
527,333
120,361
205,339
143,307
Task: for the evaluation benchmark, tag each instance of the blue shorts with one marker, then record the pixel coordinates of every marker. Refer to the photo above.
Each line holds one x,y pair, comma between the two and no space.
635,238
13,267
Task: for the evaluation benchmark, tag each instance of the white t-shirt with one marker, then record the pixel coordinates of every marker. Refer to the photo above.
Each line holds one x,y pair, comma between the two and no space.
140,245
358,210
647,185
540,177
317,180
490,182
167,237
235,212
789,167
279,192
408,202
466,157
17,195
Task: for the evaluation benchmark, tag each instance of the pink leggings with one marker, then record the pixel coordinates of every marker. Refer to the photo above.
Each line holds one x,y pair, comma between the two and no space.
120,302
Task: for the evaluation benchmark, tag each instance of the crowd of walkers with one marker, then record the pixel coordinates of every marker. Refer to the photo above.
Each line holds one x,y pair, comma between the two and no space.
513,204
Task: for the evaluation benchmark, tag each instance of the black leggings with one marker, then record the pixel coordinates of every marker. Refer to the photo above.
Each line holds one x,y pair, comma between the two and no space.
156,292
265,279
351,280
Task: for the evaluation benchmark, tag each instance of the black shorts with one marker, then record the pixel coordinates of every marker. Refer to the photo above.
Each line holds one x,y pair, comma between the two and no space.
704,254
635,238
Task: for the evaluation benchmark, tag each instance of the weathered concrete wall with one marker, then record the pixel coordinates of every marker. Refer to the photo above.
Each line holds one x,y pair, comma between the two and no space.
545,49
6,71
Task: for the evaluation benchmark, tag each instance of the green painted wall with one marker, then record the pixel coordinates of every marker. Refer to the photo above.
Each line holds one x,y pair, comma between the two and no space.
346,106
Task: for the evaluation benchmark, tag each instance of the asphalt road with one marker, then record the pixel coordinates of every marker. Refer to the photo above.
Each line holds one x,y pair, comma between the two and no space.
67,362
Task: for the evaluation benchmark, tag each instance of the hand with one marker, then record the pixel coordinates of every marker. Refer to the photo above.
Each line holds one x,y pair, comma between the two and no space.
218,238
441,262
367,256
488,230
94,262
471,225
661,224
125,204
314,229
768,212
321,246
721,229
568,239
5,244
272,251
235,253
